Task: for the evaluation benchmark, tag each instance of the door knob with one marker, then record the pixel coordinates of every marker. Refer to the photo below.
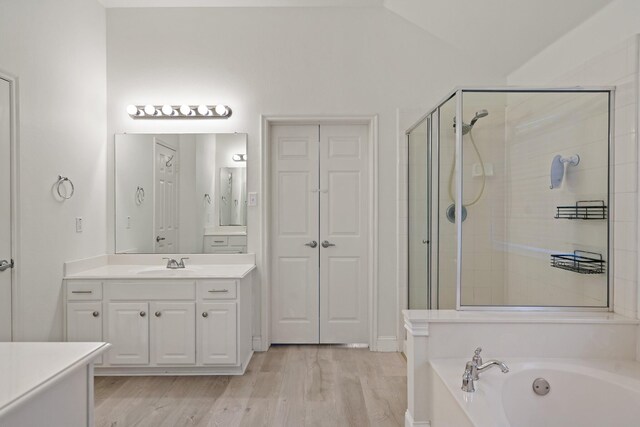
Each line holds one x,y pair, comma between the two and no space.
158,313
142,314
205,314
312,244
4,264
96,313
158,238
326,244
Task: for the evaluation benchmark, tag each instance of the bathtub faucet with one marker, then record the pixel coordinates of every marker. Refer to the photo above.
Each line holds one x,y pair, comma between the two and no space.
474,367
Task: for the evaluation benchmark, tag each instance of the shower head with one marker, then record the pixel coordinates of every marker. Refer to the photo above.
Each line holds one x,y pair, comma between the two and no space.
479,114
466,128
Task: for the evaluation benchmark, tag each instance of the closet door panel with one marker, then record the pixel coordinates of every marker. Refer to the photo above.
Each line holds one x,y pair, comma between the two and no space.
294,225
344,225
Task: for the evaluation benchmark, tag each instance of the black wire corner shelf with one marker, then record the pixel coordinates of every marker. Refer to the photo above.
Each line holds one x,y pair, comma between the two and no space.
582,262
584,210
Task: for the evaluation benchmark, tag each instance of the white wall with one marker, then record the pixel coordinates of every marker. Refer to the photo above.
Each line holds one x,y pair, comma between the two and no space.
604,51
57,51
281,62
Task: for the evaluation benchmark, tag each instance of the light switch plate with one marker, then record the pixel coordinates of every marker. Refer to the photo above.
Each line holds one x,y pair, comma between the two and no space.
253,199
78,225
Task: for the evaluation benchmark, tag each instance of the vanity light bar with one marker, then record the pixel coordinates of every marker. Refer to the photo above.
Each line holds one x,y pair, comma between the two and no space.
179,111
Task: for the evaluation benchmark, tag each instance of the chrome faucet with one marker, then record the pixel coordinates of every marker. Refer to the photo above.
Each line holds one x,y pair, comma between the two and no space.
173,264
474,367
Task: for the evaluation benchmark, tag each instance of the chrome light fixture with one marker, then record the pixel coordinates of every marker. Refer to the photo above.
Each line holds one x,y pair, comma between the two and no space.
184,111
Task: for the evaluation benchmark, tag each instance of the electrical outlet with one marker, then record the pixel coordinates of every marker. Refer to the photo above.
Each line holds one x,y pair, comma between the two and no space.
253,199
78,225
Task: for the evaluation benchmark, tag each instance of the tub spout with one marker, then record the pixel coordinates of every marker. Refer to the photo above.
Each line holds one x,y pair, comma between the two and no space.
473,369
491,363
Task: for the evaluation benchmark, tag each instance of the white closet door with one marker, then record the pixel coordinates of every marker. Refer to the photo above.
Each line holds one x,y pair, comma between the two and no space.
344,223
294,224
166,196
5,209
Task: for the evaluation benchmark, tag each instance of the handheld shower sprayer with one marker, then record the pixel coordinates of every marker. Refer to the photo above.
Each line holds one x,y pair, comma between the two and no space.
466,129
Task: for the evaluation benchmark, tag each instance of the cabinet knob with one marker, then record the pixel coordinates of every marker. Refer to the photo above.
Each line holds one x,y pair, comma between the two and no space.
158,314
205,314
142,314
96,313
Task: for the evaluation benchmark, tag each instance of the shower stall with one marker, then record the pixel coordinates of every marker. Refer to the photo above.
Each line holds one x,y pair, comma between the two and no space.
510,199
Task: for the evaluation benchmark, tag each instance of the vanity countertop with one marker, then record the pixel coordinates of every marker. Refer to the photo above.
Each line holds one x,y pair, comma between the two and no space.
225,233
28,367
146,271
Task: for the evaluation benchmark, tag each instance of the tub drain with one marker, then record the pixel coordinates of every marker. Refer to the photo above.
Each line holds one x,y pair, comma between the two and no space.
541,387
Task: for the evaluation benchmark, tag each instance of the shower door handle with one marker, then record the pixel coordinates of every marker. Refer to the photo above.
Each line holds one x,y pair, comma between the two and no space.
326,244
312,244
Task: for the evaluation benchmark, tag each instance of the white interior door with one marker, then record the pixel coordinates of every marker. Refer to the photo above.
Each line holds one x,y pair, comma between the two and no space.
5,210
165,200
294,228
344,225
320,192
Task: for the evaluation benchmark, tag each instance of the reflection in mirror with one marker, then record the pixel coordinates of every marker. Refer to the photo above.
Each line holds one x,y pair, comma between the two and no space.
233,197
180,193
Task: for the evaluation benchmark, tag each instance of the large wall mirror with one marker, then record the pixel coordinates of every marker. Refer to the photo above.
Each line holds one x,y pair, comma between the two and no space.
181,193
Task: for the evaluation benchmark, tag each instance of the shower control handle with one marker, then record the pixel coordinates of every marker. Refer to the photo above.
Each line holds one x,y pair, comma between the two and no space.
312,244
326,244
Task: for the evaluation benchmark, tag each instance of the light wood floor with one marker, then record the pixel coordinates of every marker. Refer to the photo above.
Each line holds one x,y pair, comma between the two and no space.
286,386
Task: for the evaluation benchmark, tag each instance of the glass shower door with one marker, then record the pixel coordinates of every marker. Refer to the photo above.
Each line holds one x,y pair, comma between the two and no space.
418,184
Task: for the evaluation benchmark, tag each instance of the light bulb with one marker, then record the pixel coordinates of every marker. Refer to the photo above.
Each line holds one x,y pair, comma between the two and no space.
132,110
167,110
150,110
203,110
185,110
221,110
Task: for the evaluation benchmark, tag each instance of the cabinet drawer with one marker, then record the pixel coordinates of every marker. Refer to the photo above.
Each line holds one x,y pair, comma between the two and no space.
237,240
84,291
217,289
151,290
217,240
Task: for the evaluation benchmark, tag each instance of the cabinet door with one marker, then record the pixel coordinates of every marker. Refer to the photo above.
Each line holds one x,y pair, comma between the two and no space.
84,323
173,333
217,333
128,333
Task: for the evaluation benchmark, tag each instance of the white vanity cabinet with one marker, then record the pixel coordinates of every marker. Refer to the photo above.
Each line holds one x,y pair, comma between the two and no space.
128,333
163,325
224,244
84,316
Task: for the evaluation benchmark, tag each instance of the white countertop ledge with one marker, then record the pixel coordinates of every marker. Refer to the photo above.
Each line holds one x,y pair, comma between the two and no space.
417,317
146,271
26,368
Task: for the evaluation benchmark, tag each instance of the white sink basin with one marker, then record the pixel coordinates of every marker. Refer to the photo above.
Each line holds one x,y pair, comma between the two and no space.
164,271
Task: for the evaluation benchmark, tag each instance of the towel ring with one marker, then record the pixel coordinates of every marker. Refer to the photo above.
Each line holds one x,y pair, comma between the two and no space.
61,181
139,195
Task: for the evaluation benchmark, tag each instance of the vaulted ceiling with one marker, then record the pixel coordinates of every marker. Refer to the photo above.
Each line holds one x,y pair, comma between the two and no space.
498,34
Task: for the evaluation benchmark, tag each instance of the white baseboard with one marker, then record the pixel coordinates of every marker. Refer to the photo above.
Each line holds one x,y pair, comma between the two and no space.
257,344
387,344
409,422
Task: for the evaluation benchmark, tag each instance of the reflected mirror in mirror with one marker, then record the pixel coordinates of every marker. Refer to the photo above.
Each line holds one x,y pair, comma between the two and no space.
181,193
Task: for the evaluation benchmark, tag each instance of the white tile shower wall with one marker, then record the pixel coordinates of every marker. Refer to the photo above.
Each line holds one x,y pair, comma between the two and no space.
617,66
540,126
